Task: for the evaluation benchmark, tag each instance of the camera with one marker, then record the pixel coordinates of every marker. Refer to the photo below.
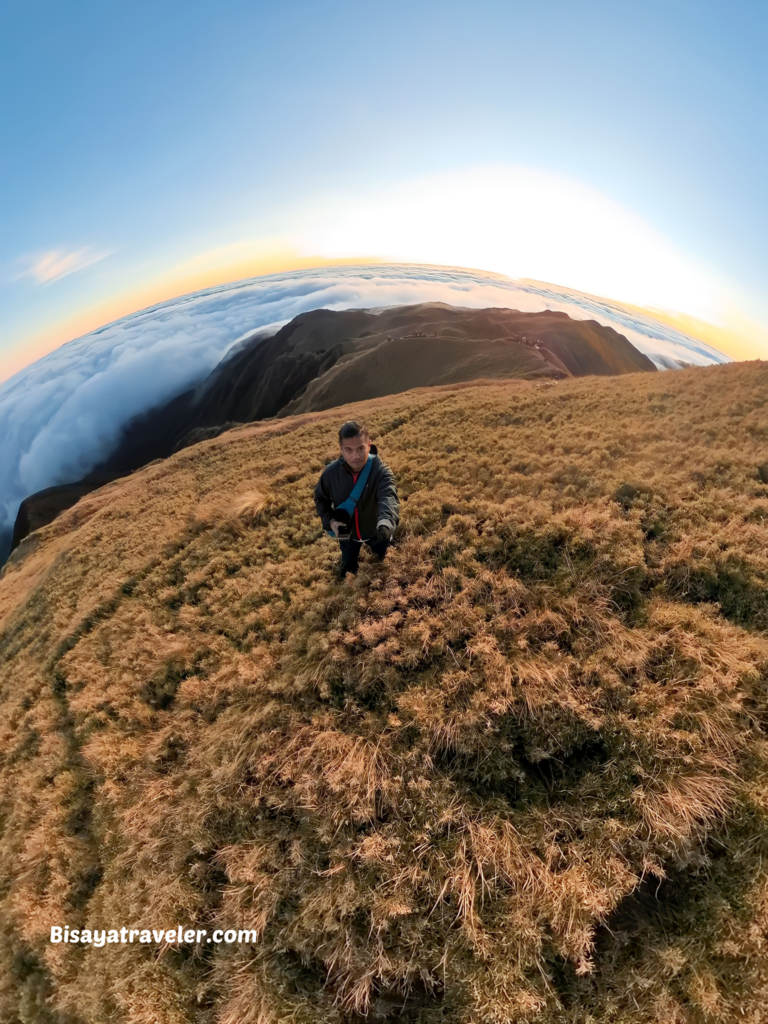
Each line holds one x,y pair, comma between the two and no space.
342,516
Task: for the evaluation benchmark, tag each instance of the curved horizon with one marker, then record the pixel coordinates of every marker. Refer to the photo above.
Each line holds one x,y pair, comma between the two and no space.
664,321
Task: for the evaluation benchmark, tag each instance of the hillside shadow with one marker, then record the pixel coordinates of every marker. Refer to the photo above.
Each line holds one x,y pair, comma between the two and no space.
528,783
659,914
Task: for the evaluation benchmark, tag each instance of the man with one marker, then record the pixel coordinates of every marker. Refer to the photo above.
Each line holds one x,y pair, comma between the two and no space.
377,512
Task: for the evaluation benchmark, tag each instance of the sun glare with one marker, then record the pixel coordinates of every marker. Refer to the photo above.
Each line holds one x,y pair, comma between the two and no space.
522,223
513,221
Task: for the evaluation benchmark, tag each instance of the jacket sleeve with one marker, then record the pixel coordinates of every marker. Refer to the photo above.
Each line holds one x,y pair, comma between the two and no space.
386,498
323,502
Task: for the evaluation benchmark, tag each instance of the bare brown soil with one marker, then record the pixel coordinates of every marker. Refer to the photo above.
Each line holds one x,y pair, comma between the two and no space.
518,772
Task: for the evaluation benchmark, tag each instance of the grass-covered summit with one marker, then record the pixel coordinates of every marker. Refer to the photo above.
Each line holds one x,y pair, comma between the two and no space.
518,772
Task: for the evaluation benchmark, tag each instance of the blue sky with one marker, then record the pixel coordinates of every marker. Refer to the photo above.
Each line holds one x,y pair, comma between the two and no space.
145,144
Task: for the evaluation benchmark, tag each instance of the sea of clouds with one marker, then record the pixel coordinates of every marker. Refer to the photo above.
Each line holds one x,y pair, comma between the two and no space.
62,415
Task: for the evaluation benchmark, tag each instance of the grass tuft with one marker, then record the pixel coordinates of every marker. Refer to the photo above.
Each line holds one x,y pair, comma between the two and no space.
253,505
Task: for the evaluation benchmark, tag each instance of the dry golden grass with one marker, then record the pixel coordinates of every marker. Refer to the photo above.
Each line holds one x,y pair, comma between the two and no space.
518,772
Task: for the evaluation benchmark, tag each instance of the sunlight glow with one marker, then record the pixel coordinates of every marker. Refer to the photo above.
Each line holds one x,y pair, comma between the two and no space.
514,221
523,223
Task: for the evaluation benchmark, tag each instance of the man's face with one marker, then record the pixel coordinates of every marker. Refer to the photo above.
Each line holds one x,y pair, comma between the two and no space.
355,451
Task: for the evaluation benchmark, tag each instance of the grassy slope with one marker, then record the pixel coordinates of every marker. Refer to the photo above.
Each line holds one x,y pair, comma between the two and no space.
335,354
518,772
403,364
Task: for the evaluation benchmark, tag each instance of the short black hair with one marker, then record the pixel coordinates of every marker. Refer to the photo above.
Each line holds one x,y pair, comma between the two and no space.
351,429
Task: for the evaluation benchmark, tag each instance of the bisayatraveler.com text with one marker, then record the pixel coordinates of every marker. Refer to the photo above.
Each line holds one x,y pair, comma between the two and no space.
168,936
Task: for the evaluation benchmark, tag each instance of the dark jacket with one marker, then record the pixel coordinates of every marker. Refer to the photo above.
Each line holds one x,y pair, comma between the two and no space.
378,503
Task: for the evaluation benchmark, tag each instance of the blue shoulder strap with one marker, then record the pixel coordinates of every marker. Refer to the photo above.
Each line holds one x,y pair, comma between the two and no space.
350,504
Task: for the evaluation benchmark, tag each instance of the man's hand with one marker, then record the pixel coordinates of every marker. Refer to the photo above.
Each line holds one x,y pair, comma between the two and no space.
383,532
339,528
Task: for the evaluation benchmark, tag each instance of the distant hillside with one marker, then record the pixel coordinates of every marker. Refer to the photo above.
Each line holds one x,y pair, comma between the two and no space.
41,508
517,772
322,358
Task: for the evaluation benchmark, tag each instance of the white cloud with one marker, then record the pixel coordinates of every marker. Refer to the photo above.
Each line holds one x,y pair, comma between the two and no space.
61,416
56,263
